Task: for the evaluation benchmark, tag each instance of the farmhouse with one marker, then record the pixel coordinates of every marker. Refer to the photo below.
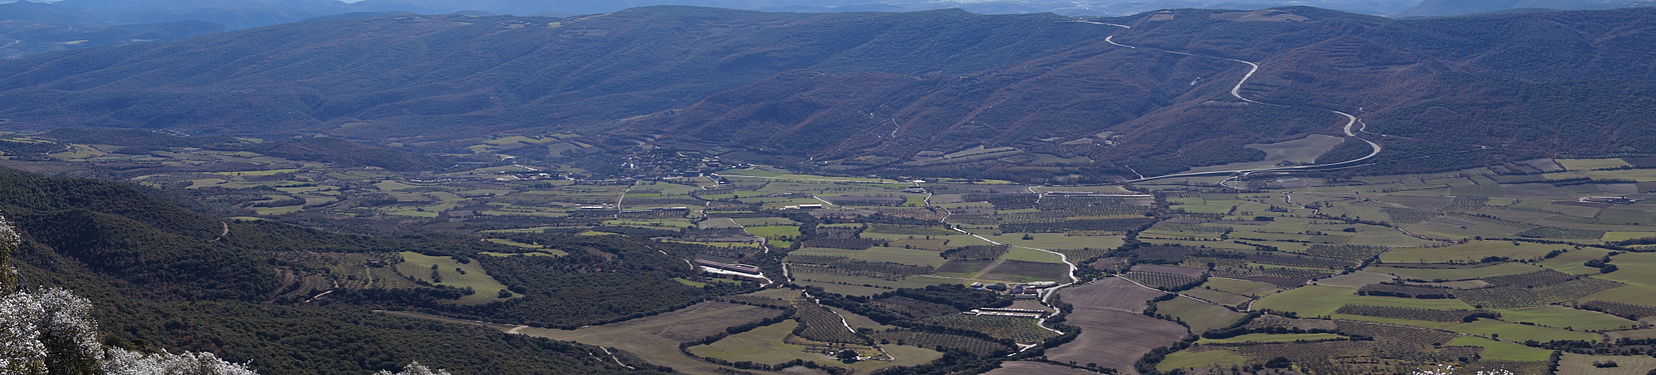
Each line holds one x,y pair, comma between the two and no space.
729,266
1610,200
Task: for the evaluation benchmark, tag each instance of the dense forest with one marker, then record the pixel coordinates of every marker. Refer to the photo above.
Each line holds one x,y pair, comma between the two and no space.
160,278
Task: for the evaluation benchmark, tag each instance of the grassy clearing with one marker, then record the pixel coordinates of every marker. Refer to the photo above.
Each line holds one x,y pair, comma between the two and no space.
689,283
761,345
1503,351
1356,279
533,254
1519,332
1240,287
1032,255
1313,301
769,345
1199,316
1574,261
1591,164
850,290
656,338
535,249
1303,150
1634,268
1254,338
761,221
1625,365
1186,359
858,321
880,254
1060,241
450,272
1568,318
256,173
1469,252
1631,294
780,235
1458,273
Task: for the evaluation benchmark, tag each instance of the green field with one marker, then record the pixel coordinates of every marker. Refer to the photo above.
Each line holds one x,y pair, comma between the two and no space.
1519,332
777,235
533,249
1568,318
1240,287
1573,363
1060,241
1185,359
1591,164
1573,261
1503,351
453,273
1032,255
880,254
1470,252
1459,272
1199,316
760,345
1312,301
769,345
1272,337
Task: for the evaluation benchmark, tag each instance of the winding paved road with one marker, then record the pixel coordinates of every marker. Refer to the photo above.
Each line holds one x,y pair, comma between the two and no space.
1352,128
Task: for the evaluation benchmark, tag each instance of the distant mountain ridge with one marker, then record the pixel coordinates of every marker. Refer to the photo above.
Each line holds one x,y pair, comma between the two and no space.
1430,8
893,91
35,27
32,28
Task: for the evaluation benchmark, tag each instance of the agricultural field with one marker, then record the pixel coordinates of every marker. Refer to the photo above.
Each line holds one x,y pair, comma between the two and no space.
1199,316
1198,359
656,339
1035,368
447,271
1471,252
1114,332
1255,338
1019,330
1372,274
1585,364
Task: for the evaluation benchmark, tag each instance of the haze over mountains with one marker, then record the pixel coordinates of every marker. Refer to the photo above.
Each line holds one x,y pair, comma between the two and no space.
1429,8
884,90
240,14
35,27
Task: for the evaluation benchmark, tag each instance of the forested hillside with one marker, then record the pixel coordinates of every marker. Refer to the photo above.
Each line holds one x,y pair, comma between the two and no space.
161,277
941,92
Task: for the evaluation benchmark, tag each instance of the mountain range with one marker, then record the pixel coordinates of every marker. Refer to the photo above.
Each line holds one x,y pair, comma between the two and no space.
240,14
1431,8
892,91
36,27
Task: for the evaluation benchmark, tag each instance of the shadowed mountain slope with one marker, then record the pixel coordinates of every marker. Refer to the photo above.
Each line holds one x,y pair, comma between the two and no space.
1043,95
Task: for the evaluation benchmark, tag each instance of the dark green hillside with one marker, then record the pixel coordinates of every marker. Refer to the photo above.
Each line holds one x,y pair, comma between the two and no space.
25,194
140,258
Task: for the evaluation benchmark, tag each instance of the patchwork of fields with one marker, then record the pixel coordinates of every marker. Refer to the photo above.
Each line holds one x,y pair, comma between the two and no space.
1521,270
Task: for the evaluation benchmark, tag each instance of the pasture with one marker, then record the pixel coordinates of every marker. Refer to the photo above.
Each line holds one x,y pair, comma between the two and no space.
447,271
1470,252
